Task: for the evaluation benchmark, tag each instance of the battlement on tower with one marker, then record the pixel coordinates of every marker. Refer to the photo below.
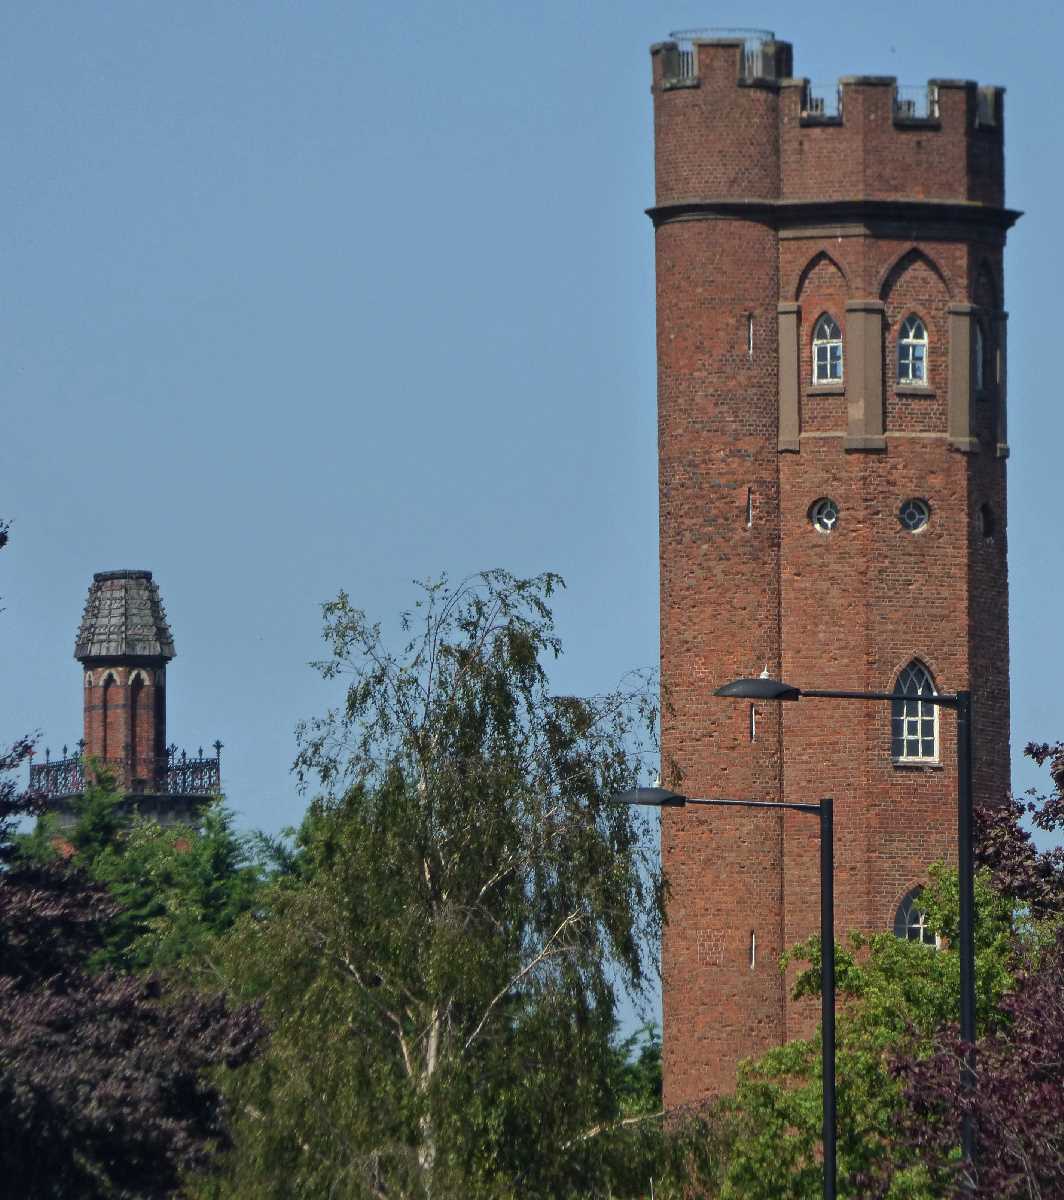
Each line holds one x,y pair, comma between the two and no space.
832,379
732,123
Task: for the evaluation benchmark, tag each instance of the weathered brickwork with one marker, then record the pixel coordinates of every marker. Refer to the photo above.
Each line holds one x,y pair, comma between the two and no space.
124,644
768,216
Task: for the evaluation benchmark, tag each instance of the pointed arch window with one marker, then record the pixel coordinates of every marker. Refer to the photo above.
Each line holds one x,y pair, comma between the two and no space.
910,921
827,351
912,351
914,722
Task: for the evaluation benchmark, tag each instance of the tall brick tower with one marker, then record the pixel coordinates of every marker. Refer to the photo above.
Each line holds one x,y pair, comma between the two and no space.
831,388
124,644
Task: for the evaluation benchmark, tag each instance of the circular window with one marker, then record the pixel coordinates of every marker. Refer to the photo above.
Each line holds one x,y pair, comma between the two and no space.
914,515
824,514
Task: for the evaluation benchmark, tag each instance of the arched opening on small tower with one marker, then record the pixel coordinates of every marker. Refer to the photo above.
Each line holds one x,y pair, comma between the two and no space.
136,717
107,708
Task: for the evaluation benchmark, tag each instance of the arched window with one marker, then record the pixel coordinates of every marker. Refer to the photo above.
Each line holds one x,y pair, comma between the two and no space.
914,722
978,358
912,351
827,351
910,921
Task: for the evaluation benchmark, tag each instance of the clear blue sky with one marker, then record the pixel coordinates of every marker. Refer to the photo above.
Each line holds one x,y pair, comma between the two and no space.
301,297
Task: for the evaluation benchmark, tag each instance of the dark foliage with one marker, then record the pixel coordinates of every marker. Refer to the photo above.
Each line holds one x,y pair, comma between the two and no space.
1018,869
104,1084
1017,1105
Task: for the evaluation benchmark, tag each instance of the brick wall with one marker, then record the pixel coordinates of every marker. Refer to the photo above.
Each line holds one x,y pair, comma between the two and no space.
748,585
125,719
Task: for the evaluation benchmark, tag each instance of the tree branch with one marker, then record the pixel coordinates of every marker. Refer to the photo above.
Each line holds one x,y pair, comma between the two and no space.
530,966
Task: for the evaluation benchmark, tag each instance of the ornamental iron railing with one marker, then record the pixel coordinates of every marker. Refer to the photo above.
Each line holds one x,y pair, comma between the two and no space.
182,774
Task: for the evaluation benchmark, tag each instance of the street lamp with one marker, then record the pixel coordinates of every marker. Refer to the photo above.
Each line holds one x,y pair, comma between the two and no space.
961,702
657,797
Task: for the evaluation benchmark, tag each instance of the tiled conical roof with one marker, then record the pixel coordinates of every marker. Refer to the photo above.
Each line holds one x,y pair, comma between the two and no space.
124,617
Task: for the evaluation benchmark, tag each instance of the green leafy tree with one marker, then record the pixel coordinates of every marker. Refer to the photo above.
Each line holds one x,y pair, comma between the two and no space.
176,887
894,998
107,1086
441,973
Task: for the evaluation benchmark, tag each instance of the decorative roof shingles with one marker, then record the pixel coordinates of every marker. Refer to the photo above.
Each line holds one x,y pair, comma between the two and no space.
124,618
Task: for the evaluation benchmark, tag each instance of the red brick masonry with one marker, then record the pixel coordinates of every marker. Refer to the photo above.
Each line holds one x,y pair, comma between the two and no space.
768,215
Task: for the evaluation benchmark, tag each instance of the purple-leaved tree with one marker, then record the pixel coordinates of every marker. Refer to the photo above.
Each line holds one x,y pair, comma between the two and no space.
104,1079
1017,1104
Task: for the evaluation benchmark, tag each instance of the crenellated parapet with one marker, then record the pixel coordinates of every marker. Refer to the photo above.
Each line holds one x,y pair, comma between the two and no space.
881,140
731,121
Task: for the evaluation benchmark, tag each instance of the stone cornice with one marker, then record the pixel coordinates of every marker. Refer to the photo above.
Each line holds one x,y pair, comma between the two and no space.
943,219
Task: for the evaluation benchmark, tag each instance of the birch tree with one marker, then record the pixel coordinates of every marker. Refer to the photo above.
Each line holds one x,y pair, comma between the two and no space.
443,982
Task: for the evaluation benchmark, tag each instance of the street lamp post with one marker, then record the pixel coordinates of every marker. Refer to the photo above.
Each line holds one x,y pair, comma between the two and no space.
662,798
961,702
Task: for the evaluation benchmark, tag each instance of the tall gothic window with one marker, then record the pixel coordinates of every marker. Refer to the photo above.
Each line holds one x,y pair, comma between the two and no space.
912,351
827,351
910,921
914,722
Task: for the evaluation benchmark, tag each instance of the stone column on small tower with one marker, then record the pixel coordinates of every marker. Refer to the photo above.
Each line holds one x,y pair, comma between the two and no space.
124,644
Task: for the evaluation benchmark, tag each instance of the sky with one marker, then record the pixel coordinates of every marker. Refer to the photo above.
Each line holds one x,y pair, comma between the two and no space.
322,296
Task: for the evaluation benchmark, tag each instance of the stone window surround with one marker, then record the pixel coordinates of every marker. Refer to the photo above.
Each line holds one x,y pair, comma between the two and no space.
864,383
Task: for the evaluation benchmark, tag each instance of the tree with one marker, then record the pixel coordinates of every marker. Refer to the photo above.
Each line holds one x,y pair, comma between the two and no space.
103,1084
894,996
899,1055
1017,1104
442,983
176,887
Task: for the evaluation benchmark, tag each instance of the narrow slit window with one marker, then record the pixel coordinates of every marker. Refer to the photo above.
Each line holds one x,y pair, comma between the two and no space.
749,508
749,335
753,949
753,723
978,357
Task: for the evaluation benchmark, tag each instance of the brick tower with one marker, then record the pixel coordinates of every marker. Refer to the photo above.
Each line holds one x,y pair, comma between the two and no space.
124,644
831,389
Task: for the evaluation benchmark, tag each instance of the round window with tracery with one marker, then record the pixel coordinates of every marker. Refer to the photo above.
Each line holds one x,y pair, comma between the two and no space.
824,514
914,515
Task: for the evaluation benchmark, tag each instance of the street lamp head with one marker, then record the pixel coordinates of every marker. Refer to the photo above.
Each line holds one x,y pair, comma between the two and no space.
654,797
759,689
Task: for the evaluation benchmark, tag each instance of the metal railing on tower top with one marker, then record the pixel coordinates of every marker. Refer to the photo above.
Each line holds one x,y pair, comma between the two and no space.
182,774
756,63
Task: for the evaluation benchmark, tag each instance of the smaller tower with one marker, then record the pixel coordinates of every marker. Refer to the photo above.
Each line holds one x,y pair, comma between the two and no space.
123,644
